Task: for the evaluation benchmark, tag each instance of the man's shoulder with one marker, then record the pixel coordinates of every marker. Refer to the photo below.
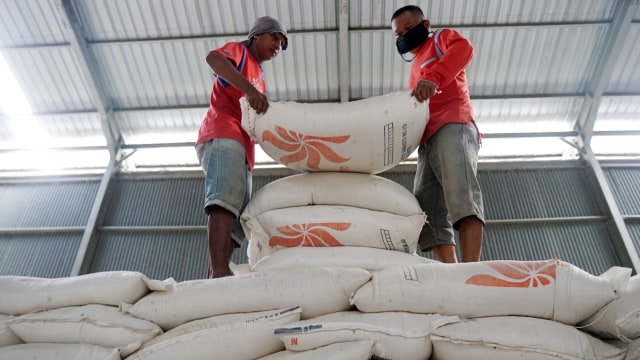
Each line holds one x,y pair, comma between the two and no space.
232,49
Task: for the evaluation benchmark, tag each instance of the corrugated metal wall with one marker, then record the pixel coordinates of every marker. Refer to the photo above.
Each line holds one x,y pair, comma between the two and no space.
41,225
156,226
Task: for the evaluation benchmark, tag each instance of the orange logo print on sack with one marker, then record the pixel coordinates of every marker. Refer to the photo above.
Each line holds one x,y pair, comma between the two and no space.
312,235
302,147
524,274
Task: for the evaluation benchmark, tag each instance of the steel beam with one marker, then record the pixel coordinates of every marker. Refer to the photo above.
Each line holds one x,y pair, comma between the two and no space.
621,238
344,71
79,47
86,250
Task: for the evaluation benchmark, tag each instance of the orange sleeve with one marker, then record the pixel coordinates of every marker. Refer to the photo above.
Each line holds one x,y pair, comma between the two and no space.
457,54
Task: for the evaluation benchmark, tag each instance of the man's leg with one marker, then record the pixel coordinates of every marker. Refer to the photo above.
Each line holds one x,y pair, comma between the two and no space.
437,235
220,243
445,253
470,236
458,151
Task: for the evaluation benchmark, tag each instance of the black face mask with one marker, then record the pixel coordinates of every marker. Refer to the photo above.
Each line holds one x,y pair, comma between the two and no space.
413,38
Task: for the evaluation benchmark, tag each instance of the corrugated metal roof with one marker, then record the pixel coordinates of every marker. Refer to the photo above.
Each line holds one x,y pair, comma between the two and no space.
536,63
159,126
625,77
162,74
49,78
367,13
29,23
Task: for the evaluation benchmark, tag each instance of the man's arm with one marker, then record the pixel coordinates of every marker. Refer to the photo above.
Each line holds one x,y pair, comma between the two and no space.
457,54
224,67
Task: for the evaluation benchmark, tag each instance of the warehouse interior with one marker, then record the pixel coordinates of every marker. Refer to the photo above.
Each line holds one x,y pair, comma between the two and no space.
98,170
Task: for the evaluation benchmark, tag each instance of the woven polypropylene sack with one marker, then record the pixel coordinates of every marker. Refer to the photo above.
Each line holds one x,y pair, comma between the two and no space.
352,350
231,337
514,337
621,318
364,191
317,291
7,337
549,289
89,324
398,335
331,225
23,294
370,259
46,351
367,136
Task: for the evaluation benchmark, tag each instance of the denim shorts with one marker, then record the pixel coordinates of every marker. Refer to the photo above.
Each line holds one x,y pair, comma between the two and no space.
227,179
445,184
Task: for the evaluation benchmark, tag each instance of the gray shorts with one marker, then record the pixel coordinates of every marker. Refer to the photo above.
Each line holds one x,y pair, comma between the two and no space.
227,179
446,184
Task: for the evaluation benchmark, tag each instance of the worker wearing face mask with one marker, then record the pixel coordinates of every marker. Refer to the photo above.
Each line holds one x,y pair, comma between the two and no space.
445,183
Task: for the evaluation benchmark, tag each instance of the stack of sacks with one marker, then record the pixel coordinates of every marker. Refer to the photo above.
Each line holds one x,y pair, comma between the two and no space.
74,317
235,316
339,203
513,309
359,213
305,220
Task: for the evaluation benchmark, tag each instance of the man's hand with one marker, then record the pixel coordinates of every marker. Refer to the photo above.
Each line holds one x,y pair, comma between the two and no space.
258,101
424,89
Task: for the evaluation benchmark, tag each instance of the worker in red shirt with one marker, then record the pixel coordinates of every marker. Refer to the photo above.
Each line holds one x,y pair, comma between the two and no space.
445,183
224,149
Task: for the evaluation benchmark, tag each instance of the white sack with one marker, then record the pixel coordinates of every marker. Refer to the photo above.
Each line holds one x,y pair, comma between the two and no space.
514,337
45,351
620,318
351,350
89,324
329,225
364,191
22,294
329,291
230,337
7,337
550,289
370,259
632,348
398,335
367,136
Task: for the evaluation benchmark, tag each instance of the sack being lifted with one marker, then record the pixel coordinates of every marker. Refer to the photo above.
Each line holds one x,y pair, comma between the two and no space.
367,136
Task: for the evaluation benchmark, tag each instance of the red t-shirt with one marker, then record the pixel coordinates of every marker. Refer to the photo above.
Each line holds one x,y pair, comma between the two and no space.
451,102
224,117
